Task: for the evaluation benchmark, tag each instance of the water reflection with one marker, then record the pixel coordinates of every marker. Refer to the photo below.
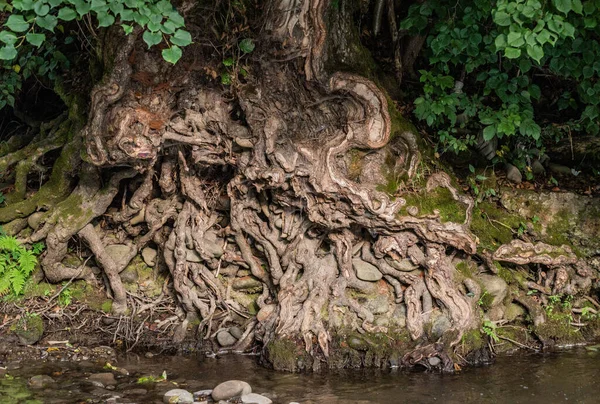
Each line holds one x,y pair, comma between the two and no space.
549,378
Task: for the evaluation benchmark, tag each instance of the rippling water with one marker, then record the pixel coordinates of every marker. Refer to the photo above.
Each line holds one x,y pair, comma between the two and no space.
569,375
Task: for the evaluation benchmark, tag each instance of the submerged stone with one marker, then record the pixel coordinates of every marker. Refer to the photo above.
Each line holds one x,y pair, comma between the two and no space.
179,396
254,398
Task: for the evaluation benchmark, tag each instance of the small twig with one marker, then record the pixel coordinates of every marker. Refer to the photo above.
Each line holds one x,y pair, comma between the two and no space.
517,343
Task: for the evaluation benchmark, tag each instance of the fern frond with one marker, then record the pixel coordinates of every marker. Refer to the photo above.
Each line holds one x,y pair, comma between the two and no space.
9,244
4,284
17,281
27,262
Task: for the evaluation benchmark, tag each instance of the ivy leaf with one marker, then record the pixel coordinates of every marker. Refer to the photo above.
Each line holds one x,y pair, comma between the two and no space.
67,14
152,38
47,22
55,3
41,9
176,19
577,6
82,7
512,53
105,19
8,37
247,45
181,38
17,23
536,52
8,52
564,6
172,54
35,39
502,19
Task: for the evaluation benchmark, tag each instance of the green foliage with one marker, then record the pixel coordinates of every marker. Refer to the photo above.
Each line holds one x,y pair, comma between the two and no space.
489,329
494,66
29,42
65,298
16,265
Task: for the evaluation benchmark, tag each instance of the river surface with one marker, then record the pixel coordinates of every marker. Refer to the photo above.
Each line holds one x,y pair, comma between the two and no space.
565,376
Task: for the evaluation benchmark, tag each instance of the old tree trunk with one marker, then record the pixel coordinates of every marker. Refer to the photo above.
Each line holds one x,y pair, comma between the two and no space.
266,203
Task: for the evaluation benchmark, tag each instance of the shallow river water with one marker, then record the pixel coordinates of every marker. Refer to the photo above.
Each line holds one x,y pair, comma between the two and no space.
566,376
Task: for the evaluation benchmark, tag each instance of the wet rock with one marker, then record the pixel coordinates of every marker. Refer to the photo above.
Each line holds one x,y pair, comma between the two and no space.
513,174
35,219
231,388
107,378
136,392
537,168
149,256
440,324
434,361
192,256
178,396
496,313
202,395
120,253
40,381
365,271
264,313
559,169
495,286
237,332
357,343
129,275
513,311
255,399
399,316
29,329
224,338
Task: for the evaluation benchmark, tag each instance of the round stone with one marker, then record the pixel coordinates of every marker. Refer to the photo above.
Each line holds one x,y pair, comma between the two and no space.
178,396
230,389
224,338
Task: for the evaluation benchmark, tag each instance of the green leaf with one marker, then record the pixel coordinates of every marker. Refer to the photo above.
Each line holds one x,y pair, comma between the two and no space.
127,28
502,19
181,38
67,14
229,62
55,3
105,20
48,22
172,54
564,6
247,45
577,7
488,133
176,19
500,42
17,23
41,8
512,53
524,65
82,7
8,37
8,52
515,39
535,52
35,39
152,38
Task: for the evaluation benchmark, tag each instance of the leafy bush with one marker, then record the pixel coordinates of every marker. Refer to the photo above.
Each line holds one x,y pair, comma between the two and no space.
29,42
16,264
495,67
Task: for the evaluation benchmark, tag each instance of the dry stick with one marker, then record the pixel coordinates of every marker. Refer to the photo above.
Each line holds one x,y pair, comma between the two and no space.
517,343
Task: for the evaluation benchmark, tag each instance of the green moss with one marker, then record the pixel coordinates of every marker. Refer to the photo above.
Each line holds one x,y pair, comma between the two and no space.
29,328
439,199
493,225
472,340
106,306
284,354
557,327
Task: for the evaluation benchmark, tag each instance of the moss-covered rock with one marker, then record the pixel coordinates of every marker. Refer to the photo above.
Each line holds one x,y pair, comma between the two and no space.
29,329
